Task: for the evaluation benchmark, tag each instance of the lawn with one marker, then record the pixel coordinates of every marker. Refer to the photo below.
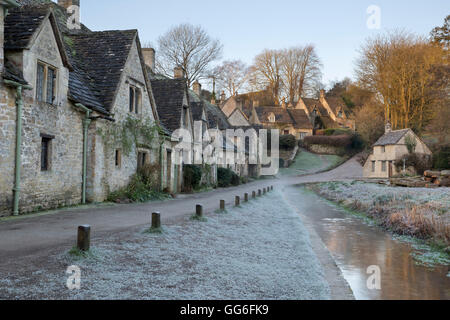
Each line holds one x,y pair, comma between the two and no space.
307,163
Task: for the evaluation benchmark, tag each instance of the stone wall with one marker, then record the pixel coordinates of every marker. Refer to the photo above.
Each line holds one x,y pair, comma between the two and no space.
104,175
61,184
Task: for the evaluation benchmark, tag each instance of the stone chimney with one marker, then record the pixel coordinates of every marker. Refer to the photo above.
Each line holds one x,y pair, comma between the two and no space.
73,10
149,57
222,97
197,87
388,127
178,73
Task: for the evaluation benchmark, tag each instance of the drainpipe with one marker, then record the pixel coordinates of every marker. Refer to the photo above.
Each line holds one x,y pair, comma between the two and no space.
161,161
19,103
86,122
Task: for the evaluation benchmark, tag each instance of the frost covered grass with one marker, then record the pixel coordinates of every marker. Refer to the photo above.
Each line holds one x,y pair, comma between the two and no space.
417,212
307,162
259,251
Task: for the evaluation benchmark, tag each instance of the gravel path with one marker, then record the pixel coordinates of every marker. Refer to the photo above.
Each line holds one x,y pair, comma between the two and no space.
258,251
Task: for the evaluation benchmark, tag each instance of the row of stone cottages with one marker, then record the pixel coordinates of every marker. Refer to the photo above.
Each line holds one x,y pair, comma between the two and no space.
70,99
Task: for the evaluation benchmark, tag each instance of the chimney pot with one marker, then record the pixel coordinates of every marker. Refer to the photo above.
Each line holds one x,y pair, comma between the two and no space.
178,73
388,127
149,57
197,87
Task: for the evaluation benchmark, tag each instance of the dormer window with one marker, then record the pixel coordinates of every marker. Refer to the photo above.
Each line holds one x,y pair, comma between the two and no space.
135,100
46,83
272,118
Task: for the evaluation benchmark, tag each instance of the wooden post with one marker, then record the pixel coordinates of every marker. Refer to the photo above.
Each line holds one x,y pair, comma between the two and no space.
199,211
246,197
264,191
254,194
156,220
259,193
84,238
271,188
238,201
222,205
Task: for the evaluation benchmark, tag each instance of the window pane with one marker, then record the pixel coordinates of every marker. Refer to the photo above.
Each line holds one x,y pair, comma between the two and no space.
44,154
137,100
40,83
50,85
131,99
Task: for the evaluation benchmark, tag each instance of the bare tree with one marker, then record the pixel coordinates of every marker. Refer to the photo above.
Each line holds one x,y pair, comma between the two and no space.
232,76
267,72
189,47
301,71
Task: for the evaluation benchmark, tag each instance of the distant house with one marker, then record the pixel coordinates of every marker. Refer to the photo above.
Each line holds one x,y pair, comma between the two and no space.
288,120
390,147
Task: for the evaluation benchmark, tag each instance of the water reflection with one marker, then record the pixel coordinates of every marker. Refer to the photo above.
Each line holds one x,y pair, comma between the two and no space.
355,246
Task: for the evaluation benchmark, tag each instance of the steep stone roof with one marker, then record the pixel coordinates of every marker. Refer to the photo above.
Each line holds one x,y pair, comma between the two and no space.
169,95
392,137
336,103
96,59
100,58
11,72
21,24
281,114
301,120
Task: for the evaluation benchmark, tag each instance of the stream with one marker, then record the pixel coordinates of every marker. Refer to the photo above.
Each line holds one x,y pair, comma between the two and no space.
355,245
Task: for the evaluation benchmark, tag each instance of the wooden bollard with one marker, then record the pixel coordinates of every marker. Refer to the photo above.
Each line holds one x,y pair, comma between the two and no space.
246,197
238,201
254,194
271,188
156,220
259,193
199,211
222,205
264,191
84,238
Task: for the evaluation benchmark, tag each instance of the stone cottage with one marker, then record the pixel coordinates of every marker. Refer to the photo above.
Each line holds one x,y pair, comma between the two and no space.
173,107
392,146
289,120
66,98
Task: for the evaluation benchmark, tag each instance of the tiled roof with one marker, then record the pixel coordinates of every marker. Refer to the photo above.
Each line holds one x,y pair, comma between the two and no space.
281,114
97,59
301,120
21,24
391,138
196,110
101,56
336,103
12,73
169,95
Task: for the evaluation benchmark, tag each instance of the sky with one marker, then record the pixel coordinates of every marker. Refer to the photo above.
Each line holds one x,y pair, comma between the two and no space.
246,27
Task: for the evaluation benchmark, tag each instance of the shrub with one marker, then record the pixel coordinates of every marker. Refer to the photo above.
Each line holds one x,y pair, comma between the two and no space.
224,177
351,142
420,162
235,179
287,142
192,175
136,191
334,141
337,132
150,174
